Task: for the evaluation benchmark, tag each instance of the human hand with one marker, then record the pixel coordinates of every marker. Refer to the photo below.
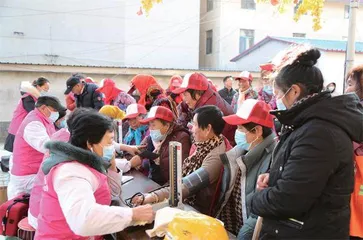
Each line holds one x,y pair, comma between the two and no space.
143,214
144,199
262,181
113,164
135,161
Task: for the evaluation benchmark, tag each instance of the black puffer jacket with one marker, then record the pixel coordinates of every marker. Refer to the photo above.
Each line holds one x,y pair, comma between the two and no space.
311,175
90,98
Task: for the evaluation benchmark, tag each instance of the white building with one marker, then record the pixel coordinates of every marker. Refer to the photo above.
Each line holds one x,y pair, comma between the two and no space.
100,33
229,27
331,61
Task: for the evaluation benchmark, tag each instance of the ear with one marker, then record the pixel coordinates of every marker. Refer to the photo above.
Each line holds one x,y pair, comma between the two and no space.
209,129
89,146
258,131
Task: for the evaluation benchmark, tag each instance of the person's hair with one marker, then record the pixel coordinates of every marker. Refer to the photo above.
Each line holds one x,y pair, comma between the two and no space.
74,114
212,115
40,82
265,130
89,127
193,93
164,122
302,72
62,114
356,74
226,78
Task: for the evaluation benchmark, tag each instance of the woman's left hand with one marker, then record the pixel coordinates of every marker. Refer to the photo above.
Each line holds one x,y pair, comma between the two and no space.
148,199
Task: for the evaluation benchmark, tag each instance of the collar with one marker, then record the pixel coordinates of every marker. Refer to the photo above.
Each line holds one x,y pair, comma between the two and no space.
253,156
41,115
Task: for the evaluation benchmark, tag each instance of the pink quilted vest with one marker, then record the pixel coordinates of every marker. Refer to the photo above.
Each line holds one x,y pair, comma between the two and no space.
27,160
36,193
19,115
51,221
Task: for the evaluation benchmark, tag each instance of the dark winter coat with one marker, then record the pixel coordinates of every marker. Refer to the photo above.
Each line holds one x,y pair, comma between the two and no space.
311,175
90,98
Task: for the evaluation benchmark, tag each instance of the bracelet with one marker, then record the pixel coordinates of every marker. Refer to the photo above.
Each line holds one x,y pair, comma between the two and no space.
155,197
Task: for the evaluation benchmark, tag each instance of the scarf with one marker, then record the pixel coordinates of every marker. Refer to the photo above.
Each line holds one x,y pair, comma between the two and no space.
135,135
231,215
195,161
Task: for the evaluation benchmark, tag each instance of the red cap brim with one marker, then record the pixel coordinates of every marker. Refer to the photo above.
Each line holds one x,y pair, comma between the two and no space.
235,120
147,120
179,90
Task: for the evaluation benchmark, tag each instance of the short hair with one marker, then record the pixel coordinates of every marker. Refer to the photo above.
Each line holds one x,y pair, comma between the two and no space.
74,114
356,74
89,127
194,92
265,130
212,115
226,78
40,82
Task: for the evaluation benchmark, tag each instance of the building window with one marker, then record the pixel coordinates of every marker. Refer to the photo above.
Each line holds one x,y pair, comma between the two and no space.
299,35
246,39
209,5
346,11
209,42
248,4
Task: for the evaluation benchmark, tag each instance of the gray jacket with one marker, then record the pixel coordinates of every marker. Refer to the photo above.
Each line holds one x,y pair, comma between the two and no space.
252,164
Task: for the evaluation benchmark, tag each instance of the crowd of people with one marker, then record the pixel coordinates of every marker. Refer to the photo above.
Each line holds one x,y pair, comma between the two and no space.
288,154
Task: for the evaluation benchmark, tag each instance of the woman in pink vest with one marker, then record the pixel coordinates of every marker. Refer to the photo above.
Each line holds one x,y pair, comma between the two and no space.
76,196
30,93
33,133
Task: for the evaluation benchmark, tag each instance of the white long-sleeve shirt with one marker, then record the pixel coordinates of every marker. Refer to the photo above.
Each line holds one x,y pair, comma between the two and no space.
75,185
35,134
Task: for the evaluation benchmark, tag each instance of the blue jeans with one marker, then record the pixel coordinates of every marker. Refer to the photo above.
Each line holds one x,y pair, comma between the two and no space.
246,232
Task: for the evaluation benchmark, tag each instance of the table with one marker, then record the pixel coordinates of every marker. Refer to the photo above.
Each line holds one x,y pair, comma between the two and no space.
143,184
140,183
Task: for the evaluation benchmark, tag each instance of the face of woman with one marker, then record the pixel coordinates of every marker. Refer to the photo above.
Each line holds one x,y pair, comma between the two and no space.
134,123
352,86
289,97
44,88
106,141
187,98
158,125
199,134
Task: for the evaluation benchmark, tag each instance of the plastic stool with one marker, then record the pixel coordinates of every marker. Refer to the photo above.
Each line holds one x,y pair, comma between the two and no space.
25,231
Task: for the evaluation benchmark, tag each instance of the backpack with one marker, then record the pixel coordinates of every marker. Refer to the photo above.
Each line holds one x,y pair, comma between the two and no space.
12,212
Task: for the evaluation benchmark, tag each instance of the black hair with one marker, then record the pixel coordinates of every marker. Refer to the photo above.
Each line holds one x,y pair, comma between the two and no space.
265,130
356,74
226,78
212,115
89,127
62,113
302,72
193,93
40,82
74,114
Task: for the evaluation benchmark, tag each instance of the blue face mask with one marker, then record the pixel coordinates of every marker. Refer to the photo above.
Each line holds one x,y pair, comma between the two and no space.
156,135
53,116
43,93
240,138
267,89
63,124
280,104
108,152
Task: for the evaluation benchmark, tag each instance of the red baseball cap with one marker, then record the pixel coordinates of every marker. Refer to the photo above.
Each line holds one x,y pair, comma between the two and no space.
267,67
158,112
194,81
244,75
252,110
134,110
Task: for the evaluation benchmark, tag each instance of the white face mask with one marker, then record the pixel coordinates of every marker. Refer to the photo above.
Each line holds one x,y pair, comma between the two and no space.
53,116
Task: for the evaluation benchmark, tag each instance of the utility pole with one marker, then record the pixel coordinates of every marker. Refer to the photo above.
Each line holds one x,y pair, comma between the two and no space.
350,53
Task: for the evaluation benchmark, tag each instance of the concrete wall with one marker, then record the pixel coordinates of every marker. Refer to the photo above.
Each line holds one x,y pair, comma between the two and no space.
266,21
100,33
